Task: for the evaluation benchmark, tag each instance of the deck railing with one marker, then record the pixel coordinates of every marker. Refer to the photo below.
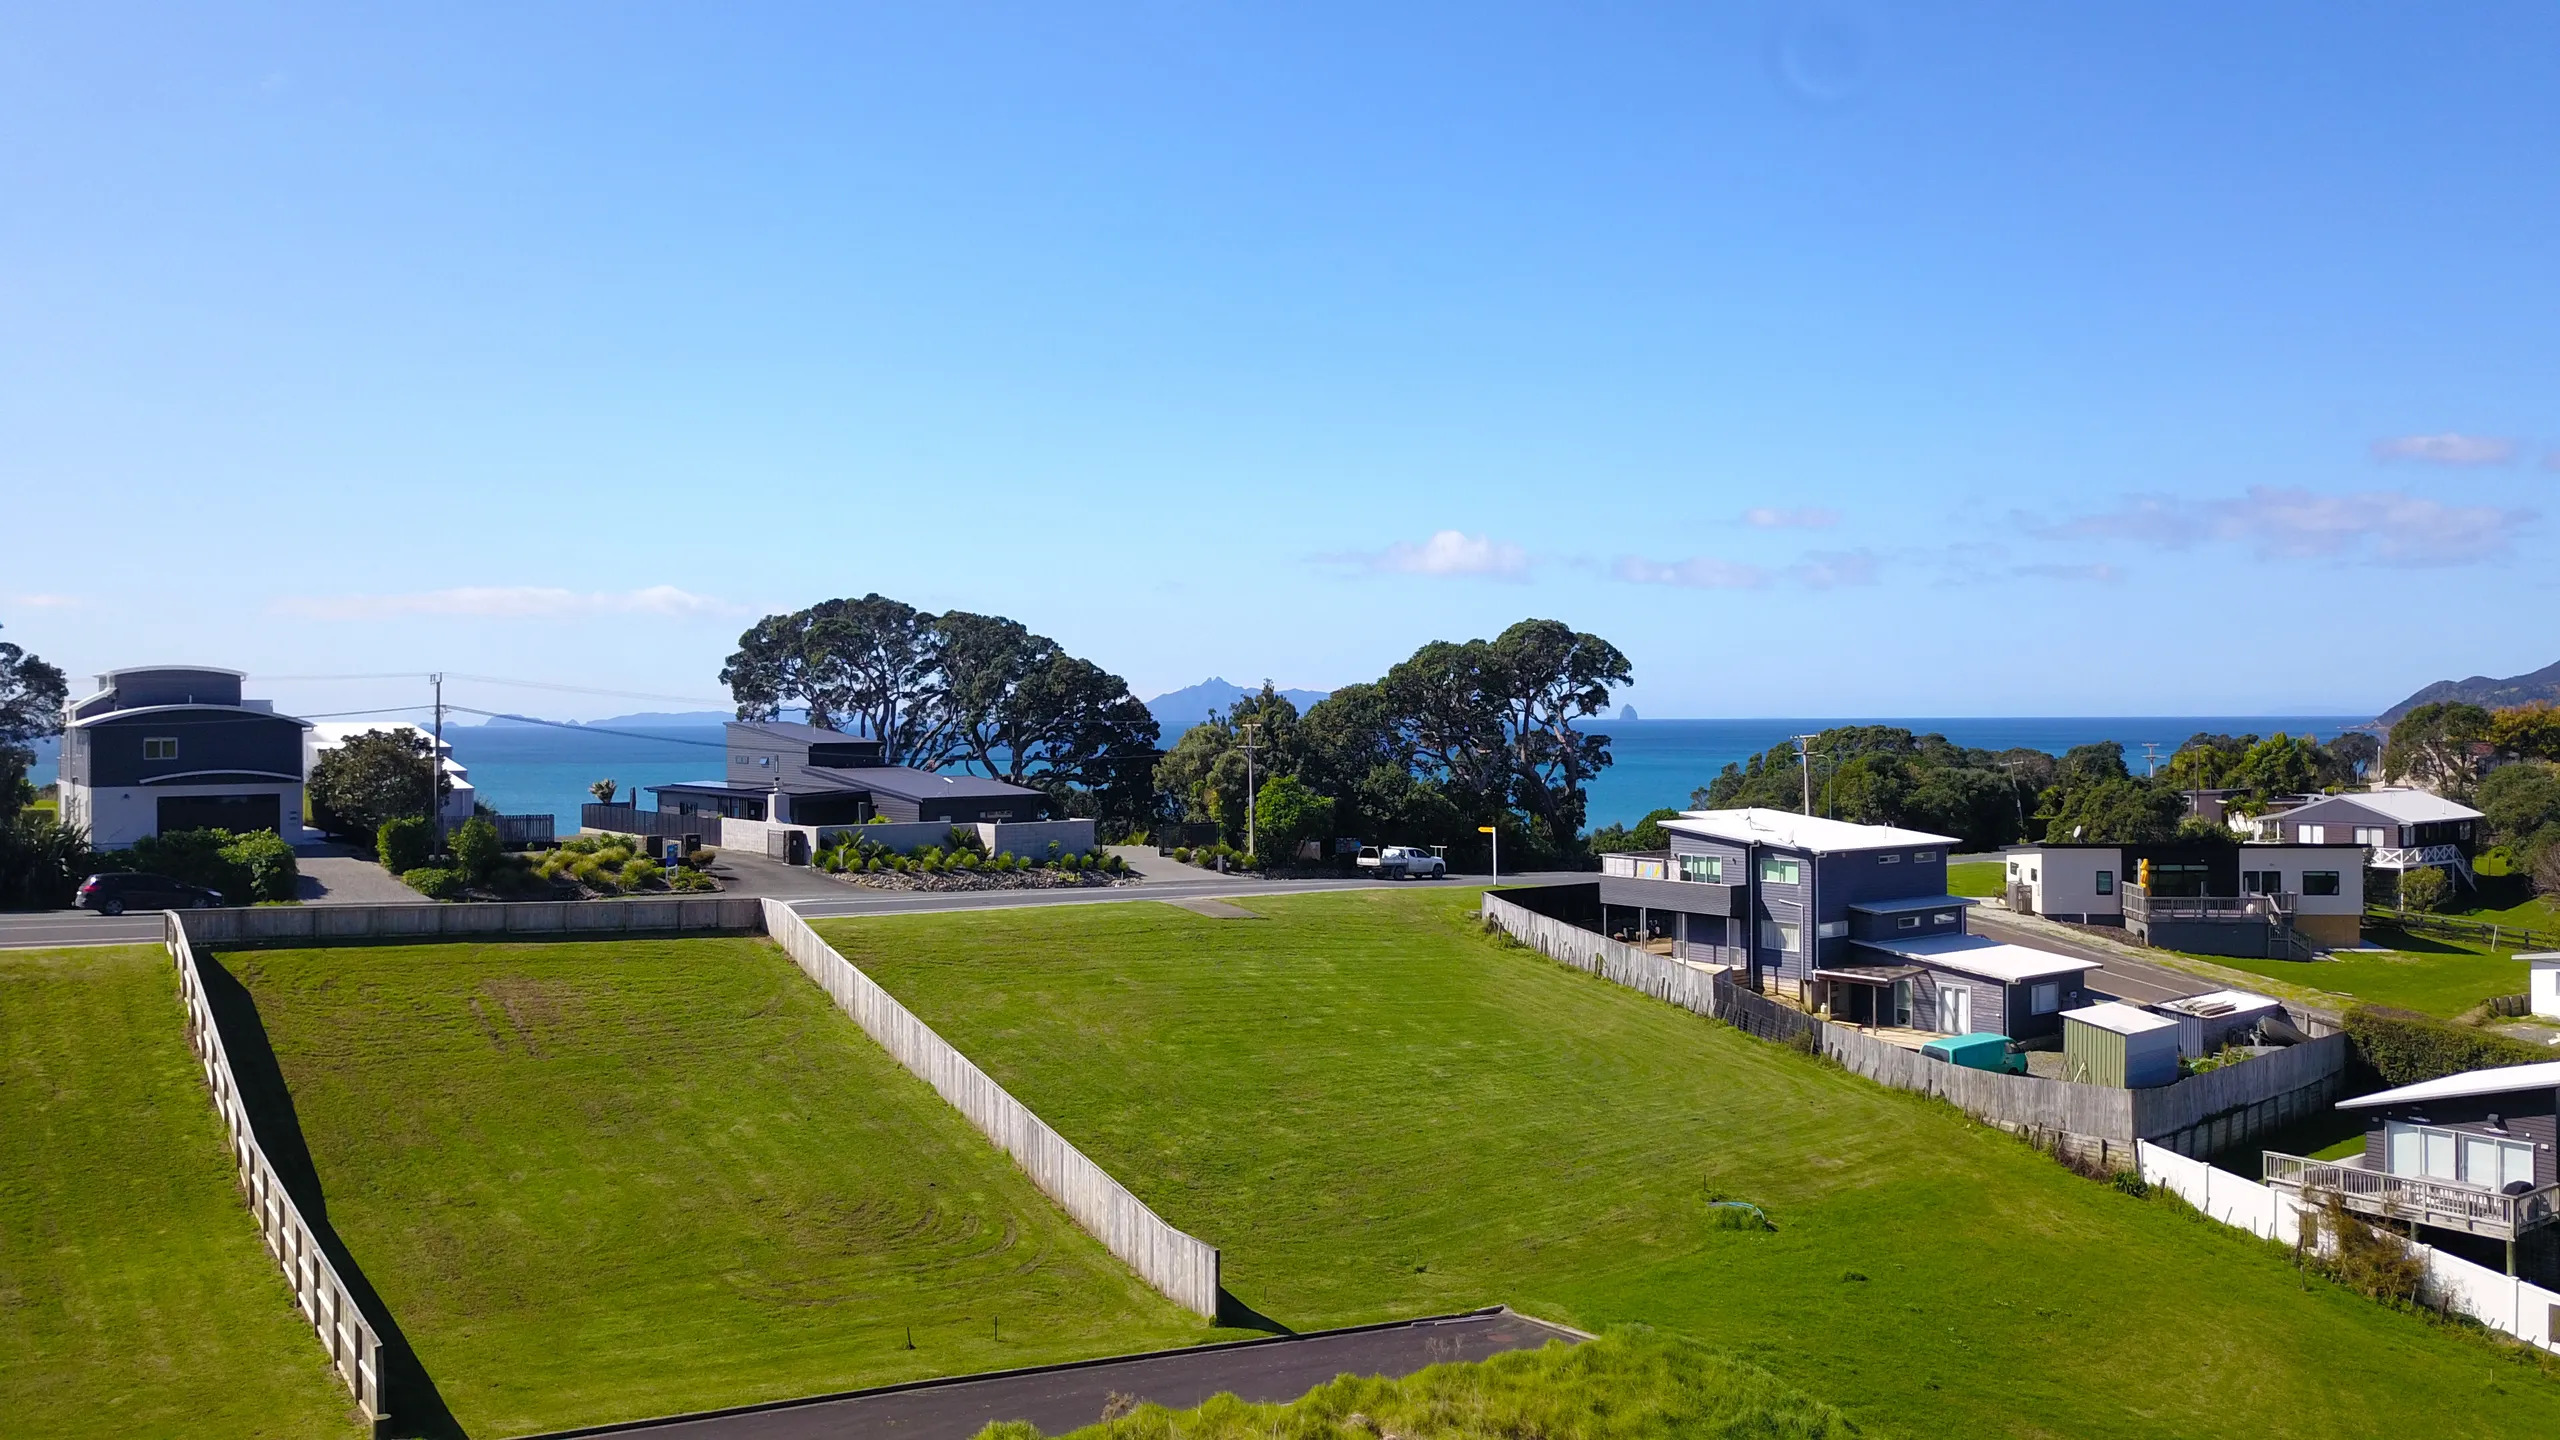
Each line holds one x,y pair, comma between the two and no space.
2446,1204
2140,904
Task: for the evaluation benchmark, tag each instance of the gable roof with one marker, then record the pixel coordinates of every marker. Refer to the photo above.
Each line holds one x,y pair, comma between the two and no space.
1812,833
2409,807
2539,1075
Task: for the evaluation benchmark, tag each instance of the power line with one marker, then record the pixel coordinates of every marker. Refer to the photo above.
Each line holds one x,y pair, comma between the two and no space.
661,737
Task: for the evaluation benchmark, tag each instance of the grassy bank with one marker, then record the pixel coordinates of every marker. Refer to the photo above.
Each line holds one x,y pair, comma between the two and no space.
605,1180
1377,1111
135,1295
2444,977
1632,1382
1981,879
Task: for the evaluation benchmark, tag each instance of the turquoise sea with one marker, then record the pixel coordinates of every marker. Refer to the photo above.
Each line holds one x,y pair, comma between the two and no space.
532,770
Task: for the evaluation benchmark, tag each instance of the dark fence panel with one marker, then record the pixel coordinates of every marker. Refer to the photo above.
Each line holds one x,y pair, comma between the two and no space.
666,824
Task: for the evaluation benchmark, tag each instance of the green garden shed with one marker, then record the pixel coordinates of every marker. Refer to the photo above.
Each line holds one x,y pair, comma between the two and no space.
2112,1043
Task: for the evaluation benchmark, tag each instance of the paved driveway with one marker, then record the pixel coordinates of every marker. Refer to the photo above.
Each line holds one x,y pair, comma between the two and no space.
1063,1398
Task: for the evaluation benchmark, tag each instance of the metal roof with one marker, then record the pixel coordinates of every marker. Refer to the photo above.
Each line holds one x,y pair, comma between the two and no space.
2217,1004
909,784
2121,1018
130,711
1981,955
1813,833
1911,902
2540,1075
808,734
2409,807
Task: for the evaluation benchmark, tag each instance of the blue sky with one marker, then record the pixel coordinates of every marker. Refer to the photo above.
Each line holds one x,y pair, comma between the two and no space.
1830,358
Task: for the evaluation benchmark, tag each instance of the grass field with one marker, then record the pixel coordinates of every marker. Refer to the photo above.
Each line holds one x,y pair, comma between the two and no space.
135,1295
1377,1111
1980,879
2445,978
604,1180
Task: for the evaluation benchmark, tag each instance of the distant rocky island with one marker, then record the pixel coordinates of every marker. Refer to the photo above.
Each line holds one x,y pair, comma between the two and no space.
2542,684
1179,710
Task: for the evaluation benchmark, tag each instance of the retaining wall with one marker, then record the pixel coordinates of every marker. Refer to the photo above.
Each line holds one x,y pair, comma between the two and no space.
1184,1267
354,1345
429,920
2199,1115
2501,1302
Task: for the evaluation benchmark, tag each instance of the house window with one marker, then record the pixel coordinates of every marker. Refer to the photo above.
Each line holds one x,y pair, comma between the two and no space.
1906,922
1785,939
1705,869
2106,882
1888,859
1831,930
1923,857
2319,882
1774,871
2311,834
2261,882
160,747
2468,1156
2371,835
1943,917
2046,997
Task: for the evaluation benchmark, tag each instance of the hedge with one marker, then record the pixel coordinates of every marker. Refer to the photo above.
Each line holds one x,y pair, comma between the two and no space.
2404,1047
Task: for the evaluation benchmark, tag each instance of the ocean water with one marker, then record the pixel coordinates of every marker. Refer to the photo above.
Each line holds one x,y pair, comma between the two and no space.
535,770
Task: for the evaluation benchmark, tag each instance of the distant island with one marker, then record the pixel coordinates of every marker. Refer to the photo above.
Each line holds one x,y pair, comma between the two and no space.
2480,690
645,720
1179,710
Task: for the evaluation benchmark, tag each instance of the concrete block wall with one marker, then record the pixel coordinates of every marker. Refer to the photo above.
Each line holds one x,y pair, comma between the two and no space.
1182,1266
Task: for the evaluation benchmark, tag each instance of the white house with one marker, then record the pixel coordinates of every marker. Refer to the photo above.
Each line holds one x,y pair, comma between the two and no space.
2319,885
2546,982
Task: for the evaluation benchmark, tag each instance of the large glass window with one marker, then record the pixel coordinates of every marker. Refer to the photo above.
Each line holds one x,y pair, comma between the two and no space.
2046,997
1782,938
1774,871
2319,882
2488,1161
1705,869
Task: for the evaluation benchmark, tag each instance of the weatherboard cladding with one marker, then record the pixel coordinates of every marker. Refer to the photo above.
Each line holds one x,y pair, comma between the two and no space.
217,744
2523,1114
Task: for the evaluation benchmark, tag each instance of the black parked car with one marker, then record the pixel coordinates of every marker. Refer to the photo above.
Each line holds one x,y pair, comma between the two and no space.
118,891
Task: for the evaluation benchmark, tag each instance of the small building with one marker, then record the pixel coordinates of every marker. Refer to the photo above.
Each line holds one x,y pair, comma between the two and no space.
162,748
2211,1022
2545,987
461,801
2112,1043
2467,1157
1956,985
2399,829
794,774
2264,899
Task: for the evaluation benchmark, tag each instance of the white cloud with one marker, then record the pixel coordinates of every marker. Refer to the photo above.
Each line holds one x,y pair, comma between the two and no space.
1826,569
1698,572
1812,517
2388,527
1448,553
2448,448
45,602
504,601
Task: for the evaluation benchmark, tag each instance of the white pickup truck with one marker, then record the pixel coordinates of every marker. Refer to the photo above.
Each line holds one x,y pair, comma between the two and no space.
1402,862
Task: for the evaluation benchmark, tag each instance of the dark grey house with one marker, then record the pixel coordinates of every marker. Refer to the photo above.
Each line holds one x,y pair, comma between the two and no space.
176,747
2470,1157
1851,919
801,775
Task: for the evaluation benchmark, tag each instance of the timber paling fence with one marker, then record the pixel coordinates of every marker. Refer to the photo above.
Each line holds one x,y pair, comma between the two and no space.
354,1346
2199,1115
1183,1266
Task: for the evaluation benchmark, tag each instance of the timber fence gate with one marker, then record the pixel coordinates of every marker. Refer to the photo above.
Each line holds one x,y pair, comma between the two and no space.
1183,1266
354,1346
2198,1115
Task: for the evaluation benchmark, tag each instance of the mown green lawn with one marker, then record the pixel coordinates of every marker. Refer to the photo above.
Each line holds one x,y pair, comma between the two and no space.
2446,978
1377,1111
603,1180
135,1295
1980,879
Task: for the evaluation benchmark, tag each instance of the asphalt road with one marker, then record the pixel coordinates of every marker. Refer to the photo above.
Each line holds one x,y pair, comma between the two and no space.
46,929
1064,1398
2138,981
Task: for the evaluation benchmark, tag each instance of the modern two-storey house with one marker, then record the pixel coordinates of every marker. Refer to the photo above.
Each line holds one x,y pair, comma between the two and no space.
794,774
1854,920
174,747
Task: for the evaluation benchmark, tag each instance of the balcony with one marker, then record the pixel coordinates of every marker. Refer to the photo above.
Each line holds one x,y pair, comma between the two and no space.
2412,857
2445,1204
1651,879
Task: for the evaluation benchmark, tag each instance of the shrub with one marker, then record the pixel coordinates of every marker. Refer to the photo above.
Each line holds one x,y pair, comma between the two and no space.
1182,854
403,844
690,880
269,864
640,874
965,837
2423,890
2353,1253
2405,1048
434,882
477,852
195,857
41,862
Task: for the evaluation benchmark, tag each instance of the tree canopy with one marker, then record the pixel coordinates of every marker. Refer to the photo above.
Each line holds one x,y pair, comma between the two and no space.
1887,775
31,696
2432,746
371,778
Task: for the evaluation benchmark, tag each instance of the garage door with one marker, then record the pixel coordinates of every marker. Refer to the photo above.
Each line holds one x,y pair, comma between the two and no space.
221,812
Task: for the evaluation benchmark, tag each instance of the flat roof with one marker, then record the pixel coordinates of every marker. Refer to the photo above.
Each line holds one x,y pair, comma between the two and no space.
2214,1004
2121,1018
909,784
2541,957
1912,902
2540,1075
1757,826
810,734
1981,955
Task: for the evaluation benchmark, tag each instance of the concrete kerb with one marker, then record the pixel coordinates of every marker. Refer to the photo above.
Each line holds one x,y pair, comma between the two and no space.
942,1382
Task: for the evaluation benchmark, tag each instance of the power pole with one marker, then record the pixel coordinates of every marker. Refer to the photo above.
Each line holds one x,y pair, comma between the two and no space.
1252,742
437,759
1804,761
2150,758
